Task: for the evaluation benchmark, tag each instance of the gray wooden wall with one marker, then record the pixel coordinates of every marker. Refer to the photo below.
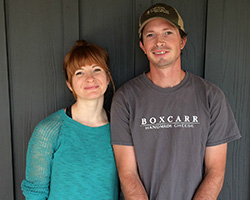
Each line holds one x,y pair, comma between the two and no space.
35,36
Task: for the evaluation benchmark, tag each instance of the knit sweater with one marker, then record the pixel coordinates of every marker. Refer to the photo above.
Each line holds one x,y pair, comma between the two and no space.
68,160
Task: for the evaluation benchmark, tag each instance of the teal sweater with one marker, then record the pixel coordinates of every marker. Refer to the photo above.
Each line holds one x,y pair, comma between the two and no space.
68,160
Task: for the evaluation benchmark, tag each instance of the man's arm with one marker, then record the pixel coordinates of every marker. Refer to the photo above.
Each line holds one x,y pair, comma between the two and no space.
131,184
215,164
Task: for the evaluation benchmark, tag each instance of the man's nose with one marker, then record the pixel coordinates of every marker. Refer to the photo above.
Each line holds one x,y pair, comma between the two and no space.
160,41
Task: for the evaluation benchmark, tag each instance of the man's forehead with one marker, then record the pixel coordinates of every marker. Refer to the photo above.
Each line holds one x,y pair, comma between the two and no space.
158,23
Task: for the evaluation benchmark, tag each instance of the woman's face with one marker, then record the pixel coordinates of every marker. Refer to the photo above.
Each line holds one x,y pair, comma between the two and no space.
89,82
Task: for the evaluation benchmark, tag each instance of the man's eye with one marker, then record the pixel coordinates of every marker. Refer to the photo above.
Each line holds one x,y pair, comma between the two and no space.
149,35
168,33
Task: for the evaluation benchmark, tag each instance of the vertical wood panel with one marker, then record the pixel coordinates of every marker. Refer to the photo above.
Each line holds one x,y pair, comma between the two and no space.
70,24
141,63
110,25
70,32
6,175
41,33
36,50
228,66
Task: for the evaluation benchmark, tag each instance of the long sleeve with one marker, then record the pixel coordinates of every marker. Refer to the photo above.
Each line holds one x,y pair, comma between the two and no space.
42,145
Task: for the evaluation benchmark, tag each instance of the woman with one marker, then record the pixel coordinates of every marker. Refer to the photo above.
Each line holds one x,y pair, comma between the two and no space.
69,154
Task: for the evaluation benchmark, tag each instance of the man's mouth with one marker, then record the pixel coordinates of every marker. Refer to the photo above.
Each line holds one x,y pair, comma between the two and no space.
159,52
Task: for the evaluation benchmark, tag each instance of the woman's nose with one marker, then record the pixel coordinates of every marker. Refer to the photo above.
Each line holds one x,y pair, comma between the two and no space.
90,77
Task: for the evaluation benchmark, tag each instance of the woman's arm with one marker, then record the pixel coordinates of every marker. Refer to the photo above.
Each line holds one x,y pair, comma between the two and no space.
40,151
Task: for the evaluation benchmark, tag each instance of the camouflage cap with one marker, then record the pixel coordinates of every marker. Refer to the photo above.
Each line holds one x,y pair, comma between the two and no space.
163,11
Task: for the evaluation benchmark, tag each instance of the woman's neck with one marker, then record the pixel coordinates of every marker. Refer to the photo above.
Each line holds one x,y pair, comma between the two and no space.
90,113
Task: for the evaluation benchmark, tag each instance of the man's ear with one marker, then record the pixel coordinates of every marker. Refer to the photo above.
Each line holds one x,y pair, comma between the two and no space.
69,86
183,42
142,47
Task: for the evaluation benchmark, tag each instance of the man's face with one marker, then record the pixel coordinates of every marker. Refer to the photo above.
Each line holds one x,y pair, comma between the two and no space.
162,43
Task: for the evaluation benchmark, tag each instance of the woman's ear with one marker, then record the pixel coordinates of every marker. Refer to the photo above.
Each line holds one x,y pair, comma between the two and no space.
108,80
108,77
69,86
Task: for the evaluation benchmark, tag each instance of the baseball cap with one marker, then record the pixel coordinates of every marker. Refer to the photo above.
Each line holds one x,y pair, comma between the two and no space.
163,11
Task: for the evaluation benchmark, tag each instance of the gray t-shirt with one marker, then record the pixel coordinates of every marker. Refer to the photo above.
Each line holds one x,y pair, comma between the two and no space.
170,129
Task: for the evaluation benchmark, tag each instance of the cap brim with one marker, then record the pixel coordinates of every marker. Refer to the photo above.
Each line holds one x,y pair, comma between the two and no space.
150,19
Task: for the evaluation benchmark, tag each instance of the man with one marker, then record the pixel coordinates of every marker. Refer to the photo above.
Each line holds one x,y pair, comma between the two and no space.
169,128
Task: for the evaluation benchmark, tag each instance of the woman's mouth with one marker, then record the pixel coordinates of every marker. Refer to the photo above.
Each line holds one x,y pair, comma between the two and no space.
91,87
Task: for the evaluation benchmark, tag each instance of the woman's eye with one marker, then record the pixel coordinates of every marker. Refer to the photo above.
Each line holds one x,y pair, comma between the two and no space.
77,73
97,69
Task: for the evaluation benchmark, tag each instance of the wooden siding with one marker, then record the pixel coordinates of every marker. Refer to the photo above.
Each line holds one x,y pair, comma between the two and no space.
228,66
36,35
6,174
